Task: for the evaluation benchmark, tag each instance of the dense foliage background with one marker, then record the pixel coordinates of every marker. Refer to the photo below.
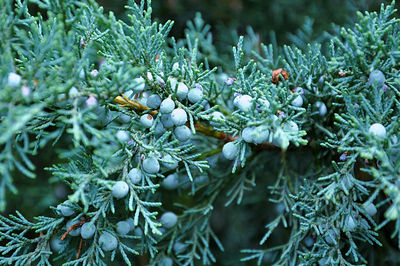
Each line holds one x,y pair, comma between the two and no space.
293,22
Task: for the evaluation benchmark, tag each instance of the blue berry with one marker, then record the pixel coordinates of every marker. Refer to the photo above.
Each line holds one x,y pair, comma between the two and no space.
146,120
179,247
88,230
135,175
139,84
173,82
281,139
260,135
229,81
108,242
182,91
170,162
371,209
122,136
167,121
64,209
124,118
165,261
195,95
179,117
74,232
377,130
182,133
159,129
244,102
350,224
120,189
170,182
73,92
123,227
14,80
309,242
291,126
247,134
169,219
298,101
57,244
217,118
151,165
230,151
154,101
376,79
167,106
138,231
321,108
328,236
131,223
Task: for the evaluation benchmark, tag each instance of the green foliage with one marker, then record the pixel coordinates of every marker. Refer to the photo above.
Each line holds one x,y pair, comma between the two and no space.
76,83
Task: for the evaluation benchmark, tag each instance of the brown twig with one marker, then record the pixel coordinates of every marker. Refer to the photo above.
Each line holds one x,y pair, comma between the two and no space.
72,227
79,249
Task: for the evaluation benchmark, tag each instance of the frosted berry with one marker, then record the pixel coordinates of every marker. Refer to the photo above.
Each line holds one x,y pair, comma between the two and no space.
108,242
170,182
74,232
151,165
230,151
139,84
131,223
371,209
195,95
167,121
169,219
171,164
167,106
57,244
122,136
182,91
291,126
182,133
135,175
123,227
14,80
309,242
165,261
91,101
376,79
159,129
247,134
244,102
120,189
229,81
179,247
328,236
264,103
377,130
65,210
298,101
321,108
88,230
73,92
146,120
179,117
175,66
154,101
138,231
216,118
260,135
350,224
94,73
